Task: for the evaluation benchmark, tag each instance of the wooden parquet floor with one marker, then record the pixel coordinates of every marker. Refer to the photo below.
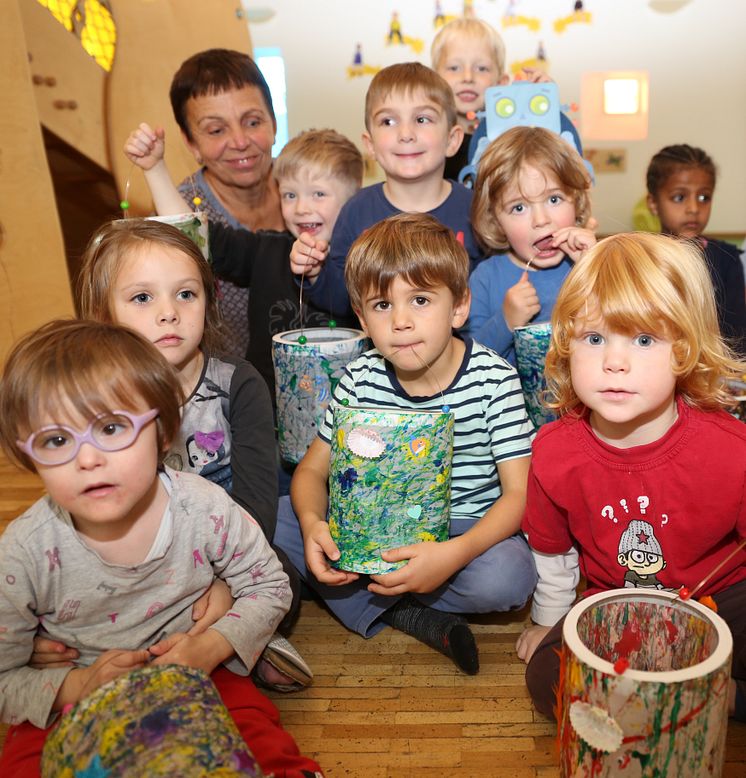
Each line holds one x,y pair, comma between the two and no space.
391,708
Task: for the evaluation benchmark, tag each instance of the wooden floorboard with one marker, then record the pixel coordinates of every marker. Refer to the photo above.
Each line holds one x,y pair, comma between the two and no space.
390,707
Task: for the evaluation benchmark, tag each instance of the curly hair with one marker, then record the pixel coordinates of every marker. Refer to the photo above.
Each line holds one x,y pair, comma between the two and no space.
500,167
652,283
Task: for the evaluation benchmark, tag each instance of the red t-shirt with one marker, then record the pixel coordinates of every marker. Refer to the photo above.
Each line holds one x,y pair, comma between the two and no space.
659,516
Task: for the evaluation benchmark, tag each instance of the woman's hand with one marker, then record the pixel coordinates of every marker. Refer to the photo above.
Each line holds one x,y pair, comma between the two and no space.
211,606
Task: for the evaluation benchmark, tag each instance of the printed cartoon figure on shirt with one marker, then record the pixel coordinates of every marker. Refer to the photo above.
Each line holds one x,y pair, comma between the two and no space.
205,451
642,555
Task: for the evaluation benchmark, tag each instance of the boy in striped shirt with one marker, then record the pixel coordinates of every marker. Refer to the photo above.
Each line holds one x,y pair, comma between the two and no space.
407,277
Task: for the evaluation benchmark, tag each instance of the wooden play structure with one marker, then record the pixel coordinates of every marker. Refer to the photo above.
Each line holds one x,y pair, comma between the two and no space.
56,93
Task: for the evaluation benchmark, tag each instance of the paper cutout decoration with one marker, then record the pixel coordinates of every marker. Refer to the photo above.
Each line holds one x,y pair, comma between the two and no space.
531,22
520,104
161,720
396,492
531,345
193,224
670,703
305,376
577,17
396,37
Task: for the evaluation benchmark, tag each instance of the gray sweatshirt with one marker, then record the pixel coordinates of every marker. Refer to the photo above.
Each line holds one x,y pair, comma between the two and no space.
51,581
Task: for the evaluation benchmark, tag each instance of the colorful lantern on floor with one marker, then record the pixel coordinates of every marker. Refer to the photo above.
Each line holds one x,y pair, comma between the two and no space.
389,483
161,720
308,364
531,346
643,687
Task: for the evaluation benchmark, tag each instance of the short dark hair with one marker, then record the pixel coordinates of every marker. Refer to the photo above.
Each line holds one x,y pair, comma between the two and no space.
211,72
670,159
413,246
86,365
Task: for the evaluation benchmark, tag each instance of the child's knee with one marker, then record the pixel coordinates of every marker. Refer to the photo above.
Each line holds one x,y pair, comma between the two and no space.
511,577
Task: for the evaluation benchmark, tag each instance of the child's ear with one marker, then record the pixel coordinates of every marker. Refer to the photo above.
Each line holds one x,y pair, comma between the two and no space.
368,143
363,325
461,310
652,205
504,79
455,136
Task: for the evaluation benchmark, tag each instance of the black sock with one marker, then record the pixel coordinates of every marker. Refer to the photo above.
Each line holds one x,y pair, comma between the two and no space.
445,632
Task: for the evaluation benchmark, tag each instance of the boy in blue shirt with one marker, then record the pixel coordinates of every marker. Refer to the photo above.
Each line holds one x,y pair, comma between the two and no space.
411,128
408,283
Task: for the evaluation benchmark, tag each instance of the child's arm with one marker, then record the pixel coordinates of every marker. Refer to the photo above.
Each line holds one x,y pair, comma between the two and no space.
240,555
308,491
487,323
431,564
559,575
145,148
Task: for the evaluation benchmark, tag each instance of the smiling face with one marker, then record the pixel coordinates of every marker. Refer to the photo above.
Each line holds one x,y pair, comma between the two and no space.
158,292
469,67
684,201
311,202
627,382
106,492
409,136
413,328
232,134
533,208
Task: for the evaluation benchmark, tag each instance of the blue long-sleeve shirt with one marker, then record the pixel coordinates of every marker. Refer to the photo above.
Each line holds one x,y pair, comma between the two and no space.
489,283
368,207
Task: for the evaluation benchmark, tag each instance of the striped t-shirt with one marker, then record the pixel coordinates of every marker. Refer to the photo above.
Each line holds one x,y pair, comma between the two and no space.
490,426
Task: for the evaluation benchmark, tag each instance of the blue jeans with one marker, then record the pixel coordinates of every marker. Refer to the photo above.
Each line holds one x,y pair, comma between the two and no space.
500,579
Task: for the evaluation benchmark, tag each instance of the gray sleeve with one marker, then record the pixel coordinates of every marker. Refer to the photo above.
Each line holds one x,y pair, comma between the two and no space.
245,561
25,694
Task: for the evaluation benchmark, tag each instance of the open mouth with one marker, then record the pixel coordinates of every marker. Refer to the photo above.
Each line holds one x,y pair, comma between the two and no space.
310,227
544,245
467,96
98,490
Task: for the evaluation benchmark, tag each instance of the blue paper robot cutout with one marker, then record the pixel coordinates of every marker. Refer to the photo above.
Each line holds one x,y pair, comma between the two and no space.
520,104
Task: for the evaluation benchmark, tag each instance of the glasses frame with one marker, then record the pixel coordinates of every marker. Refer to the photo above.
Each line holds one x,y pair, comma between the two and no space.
138,421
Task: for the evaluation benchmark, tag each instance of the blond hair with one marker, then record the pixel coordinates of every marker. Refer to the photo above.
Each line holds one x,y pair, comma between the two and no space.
641,282
414,246
89,368
329,152
475,29
105,254
500,167
407,78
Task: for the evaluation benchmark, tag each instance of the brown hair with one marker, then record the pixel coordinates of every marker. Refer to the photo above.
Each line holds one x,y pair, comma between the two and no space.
641,282
328,151
475,29
102,261
501,165
213,72
671,159
86,366
414,246
406,78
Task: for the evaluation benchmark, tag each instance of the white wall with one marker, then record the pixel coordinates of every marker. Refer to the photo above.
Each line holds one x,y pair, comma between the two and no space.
696,58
